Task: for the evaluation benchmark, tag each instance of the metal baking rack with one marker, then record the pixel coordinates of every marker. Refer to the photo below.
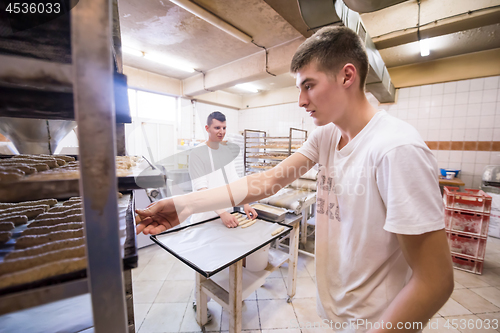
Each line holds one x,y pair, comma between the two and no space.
59,287
25,190
68,68
257,141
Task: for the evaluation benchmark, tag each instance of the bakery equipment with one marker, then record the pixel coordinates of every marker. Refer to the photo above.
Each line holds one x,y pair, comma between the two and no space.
270,213
491,179
35,136
491,185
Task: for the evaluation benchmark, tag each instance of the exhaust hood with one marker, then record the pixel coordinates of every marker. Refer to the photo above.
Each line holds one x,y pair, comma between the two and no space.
320,13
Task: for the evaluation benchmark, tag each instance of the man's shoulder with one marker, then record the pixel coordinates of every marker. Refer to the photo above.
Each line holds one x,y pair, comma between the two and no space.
391,132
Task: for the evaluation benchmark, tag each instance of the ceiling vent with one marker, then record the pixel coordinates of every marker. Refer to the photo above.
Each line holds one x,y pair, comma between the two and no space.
320,13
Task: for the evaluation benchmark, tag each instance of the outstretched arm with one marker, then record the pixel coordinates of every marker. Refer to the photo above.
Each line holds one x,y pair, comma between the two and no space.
169,212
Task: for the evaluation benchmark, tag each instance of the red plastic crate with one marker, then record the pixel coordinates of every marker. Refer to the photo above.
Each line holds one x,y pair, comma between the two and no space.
471,223
473,200
466,245
470,265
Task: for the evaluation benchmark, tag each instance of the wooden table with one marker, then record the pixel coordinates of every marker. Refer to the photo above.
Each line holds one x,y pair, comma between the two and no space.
231,297
451,182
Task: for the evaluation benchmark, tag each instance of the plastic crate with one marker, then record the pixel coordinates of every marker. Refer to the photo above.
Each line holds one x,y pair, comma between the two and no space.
469,222
465,264
474,200
466,245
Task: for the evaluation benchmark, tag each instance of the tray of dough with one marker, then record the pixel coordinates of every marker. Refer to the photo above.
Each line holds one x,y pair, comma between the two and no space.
47,251
209,246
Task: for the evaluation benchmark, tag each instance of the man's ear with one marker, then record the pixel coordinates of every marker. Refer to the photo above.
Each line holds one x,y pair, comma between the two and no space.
349,74
206,128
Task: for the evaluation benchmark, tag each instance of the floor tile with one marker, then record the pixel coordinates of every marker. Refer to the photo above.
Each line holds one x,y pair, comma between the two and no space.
490,277
301,270
250,317
473,302
470,324
453,308
272,289
175,292
469,280
492,319
306,288
307,315
140,312
437,325
310,266
189,323
146,291
181,271
491,294
164,317
492,260
276,314
458,286
286,330
154,272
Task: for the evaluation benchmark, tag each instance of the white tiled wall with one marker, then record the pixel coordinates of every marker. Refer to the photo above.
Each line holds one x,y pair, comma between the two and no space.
276,120
467,110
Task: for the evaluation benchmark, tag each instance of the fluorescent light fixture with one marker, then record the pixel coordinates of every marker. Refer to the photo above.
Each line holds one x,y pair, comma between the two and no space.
132,51
212,19
247,87
168,62
424,47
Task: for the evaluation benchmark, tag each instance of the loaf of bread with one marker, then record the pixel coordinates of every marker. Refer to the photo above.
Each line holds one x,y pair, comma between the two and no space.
56,220
65,208
6,226
50,202
20,209
30,213
20,264
16,219
54,228
49,247
34,240
5,236
43,272
49,215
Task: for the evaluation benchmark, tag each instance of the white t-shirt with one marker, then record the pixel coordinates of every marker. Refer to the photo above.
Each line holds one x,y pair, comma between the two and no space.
382,183
205,169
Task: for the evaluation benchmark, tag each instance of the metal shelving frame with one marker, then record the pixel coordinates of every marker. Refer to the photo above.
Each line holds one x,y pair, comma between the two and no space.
266,139
94,106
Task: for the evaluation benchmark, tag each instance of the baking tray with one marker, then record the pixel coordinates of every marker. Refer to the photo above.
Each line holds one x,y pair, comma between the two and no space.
140,177
215,246
130,256
270,216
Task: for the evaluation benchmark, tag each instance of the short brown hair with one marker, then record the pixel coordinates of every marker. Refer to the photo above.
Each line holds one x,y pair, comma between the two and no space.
216,115
332,48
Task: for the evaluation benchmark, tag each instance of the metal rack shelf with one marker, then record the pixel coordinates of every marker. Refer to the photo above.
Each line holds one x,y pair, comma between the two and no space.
76,52
26,190
56,288
253,137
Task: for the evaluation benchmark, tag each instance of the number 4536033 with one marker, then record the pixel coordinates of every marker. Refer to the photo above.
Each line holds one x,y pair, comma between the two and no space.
33,8
471,323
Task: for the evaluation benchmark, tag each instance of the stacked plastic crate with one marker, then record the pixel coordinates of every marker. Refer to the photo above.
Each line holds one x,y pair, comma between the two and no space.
467,217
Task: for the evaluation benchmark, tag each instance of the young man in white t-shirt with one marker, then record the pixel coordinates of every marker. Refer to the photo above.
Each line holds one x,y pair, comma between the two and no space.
382,258
211,164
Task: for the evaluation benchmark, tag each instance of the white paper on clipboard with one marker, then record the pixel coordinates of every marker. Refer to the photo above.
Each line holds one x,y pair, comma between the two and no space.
212,245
